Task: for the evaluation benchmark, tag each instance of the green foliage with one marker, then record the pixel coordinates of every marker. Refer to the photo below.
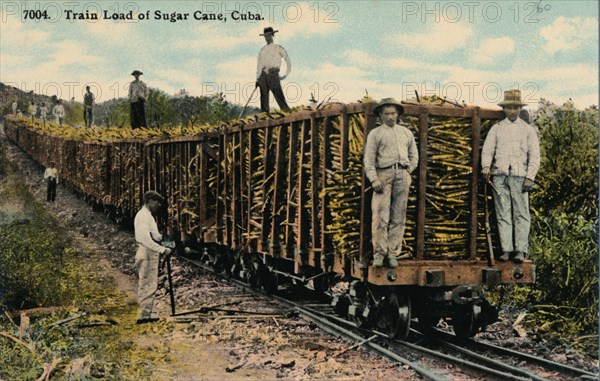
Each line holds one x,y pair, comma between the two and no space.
565,251
74,113
34,270
159,109
568,178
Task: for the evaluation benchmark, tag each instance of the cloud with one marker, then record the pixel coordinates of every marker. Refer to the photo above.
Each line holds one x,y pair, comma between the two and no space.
566,34
306,20
115,33
13,32
300,20
443,37
363,59
492,48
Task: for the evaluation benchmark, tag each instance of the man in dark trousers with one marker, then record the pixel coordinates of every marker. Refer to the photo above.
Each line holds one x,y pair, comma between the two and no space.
88,106
51,177
267,71
511,158
138,92
147,255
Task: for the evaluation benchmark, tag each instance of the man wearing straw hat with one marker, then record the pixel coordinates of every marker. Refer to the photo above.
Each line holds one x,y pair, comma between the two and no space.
511,157
267,71
138,92
390,156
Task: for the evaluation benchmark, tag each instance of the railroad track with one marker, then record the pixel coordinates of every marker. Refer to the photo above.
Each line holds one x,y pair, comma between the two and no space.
475,357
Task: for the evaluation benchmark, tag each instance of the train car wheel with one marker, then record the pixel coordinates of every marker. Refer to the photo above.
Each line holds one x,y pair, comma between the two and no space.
395,316
466,323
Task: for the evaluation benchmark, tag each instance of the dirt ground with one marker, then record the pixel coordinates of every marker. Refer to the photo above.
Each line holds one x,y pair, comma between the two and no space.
207,349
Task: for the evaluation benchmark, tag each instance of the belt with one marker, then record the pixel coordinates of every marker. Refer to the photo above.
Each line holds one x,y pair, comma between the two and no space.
396,166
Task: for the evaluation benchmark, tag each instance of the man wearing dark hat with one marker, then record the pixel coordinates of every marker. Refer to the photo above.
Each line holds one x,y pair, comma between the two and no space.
147,255
267,71
390,157
511,154
138,92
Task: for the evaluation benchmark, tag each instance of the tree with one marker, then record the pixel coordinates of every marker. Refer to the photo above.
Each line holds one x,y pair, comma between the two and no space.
568,176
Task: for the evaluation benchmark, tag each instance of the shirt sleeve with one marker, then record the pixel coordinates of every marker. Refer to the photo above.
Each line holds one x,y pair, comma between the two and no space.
288,62
144,226
130,92
370,157
489,147
258,65
533,152
413,153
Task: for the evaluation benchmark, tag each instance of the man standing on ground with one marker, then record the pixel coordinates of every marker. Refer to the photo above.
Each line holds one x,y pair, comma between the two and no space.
51,177
88,107
390,157
511,155
267,71
43,113
147,255
138,92
59,112
14,107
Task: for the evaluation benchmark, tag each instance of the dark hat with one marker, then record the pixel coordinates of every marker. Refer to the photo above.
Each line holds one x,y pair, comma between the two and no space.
512,98
268,30
153,195
136,72
388,102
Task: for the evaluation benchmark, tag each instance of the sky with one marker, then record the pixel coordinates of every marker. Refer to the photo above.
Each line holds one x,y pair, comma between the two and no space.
468,51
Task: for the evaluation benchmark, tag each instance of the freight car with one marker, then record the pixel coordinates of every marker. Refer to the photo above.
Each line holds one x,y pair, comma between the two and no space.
284,199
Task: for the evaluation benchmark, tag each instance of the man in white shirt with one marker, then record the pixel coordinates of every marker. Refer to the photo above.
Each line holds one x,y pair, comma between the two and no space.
390,156
59,112
138,92
511,154
147,255
51,177
267,71
43,113
14,107
32,111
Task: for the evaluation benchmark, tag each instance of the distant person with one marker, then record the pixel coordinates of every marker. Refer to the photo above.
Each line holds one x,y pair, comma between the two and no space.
88,107
19,113
147,255
32,111
511,158
43,113
51,177
267,71
14,107
138,93
59,112
390,156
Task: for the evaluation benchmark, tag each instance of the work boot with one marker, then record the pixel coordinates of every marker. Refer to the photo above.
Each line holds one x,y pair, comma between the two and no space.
505,256
392,262
519,257
378,261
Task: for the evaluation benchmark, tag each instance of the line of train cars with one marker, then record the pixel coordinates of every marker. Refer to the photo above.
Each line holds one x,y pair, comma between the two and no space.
281,199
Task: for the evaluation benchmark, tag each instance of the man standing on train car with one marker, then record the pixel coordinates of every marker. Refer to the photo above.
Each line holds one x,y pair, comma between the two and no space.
267,71
147,255
511,154
390,157
138,93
